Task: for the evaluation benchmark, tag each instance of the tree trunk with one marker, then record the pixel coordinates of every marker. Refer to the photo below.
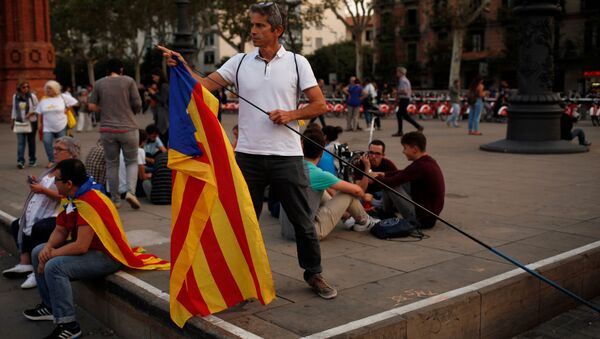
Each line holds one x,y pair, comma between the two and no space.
359,56
458,35
72,70
90,70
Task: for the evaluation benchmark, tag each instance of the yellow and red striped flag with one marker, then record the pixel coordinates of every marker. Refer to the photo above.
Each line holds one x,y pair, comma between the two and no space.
218,258
99,212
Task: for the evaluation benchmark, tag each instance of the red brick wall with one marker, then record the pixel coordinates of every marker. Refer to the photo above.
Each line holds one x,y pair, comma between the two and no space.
26,51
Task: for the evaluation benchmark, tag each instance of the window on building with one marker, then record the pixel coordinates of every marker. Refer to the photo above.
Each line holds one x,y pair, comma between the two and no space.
318,43
209,57
476,42
411,52
591,36
412,17
209,39
369,35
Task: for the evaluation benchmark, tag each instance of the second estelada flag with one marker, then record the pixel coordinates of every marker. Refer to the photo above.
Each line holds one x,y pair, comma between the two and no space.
218,258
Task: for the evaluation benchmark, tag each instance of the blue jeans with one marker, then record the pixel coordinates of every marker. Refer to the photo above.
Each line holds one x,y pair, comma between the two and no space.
474,115
453,119
288,183
49,138
27,139
54,285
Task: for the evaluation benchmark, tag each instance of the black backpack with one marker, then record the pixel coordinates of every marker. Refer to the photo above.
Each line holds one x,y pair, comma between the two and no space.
394,228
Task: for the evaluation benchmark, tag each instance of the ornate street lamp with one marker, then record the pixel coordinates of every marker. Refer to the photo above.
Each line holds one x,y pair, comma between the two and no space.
183,42
534,112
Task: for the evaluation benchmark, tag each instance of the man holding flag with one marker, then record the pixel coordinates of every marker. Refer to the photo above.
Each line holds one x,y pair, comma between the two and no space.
268,153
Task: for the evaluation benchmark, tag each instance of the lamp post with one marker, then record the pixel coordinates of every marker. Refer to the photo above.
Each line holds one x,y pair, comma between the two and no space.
534,112
183,42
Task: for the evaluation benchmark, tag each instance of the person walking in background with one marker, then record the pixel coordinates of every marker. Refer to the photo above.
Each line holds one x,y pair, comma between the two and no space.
160,111
454,95
369,104
117,97
38,218
52,118
355,94
595,113
404,94
475,98
84,117
23,110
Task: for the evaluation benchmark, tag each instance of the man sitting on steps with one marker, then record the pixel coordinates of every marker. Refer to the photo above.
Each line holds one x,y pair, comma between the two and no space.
88,242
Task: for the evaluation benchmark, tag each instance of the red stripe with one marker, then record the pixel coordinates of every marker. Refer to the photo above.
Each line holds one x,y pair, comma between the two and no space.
93,199
191,193
225,183
189,296
218,267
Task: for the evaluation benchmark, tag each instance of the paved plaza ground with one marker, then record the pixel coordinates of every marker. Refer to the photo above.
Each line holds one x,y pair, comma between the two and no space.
529,206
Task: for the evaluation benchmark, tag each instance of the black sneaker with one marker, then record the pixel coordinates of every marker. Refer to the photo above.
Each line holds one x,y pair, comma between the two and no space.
321,287
40,312
66,331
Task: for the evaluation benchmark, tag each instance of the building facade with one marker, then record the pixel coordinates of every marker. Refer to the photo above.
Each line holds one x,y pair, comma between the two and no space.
420,34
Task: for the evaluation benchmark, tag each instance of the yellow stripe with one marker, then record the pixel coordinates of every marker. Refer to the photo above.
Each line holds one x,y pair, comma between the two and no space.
232,252
197,223
179,314
207,285
91,216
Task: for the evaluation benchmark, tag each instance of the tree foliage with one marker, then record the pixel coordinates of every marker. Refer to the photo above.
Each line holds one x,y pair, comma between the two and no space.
360,12
338,58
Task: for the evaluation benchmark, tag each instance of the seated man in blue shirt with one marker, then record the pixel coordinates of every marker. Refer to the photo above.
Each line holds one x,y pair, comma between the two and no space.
329,197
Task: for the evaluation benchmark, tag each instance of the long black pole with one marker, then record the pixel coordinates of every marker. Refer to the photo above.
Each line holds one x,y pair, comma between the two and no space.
488,247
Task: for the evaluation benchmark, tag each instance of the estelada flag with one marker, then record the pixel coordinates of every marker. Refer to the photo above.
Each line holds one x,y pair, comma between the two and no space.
217,252
100,214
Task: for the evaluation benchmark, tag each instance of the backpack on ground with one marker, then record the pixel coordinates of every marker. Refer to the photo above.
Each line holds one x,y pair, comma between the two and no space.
394,228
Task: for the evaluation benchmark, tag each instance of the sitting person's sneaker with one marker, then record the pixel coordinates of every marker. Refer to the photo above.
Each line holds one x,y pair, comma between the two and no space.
321,287
66,331
371,221
132,200
19,271
30,282
40,312
349,223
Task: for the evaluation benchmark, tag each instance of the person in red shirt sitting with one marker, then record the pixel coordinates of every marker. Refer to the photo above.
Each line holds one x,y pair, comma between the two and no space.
88,242
422,181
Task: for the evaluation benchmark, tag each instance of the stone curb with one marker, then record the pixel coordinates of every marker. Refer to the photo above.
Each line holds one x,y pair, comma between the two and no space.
132,310
498,307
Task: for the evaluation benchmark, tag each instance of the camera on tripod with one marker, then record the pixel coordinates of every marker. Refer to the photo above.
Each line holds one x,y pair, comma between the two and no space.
344,152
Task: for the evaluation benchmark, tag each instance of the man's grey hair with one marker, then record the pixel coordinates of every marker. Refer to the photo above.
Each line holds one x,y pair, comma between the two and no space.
401,69
72,145
275,15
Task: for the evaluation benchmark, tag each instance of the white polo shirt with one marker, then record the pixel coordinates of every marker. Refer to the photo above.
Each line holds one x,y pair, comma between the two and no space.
269,86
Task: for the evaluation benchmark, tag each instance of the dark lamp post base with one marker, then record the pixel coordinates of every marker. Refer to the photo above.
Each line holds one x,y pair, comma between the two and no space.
534,147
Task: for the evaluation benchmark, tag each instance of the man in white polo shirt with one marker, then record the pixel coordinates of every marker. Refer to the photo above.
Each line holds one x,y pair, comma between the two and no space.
268,153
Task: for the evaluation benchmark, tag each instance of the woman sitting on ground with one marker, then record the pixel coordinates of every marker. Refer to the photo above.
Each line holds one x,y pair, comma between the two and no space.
39,213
